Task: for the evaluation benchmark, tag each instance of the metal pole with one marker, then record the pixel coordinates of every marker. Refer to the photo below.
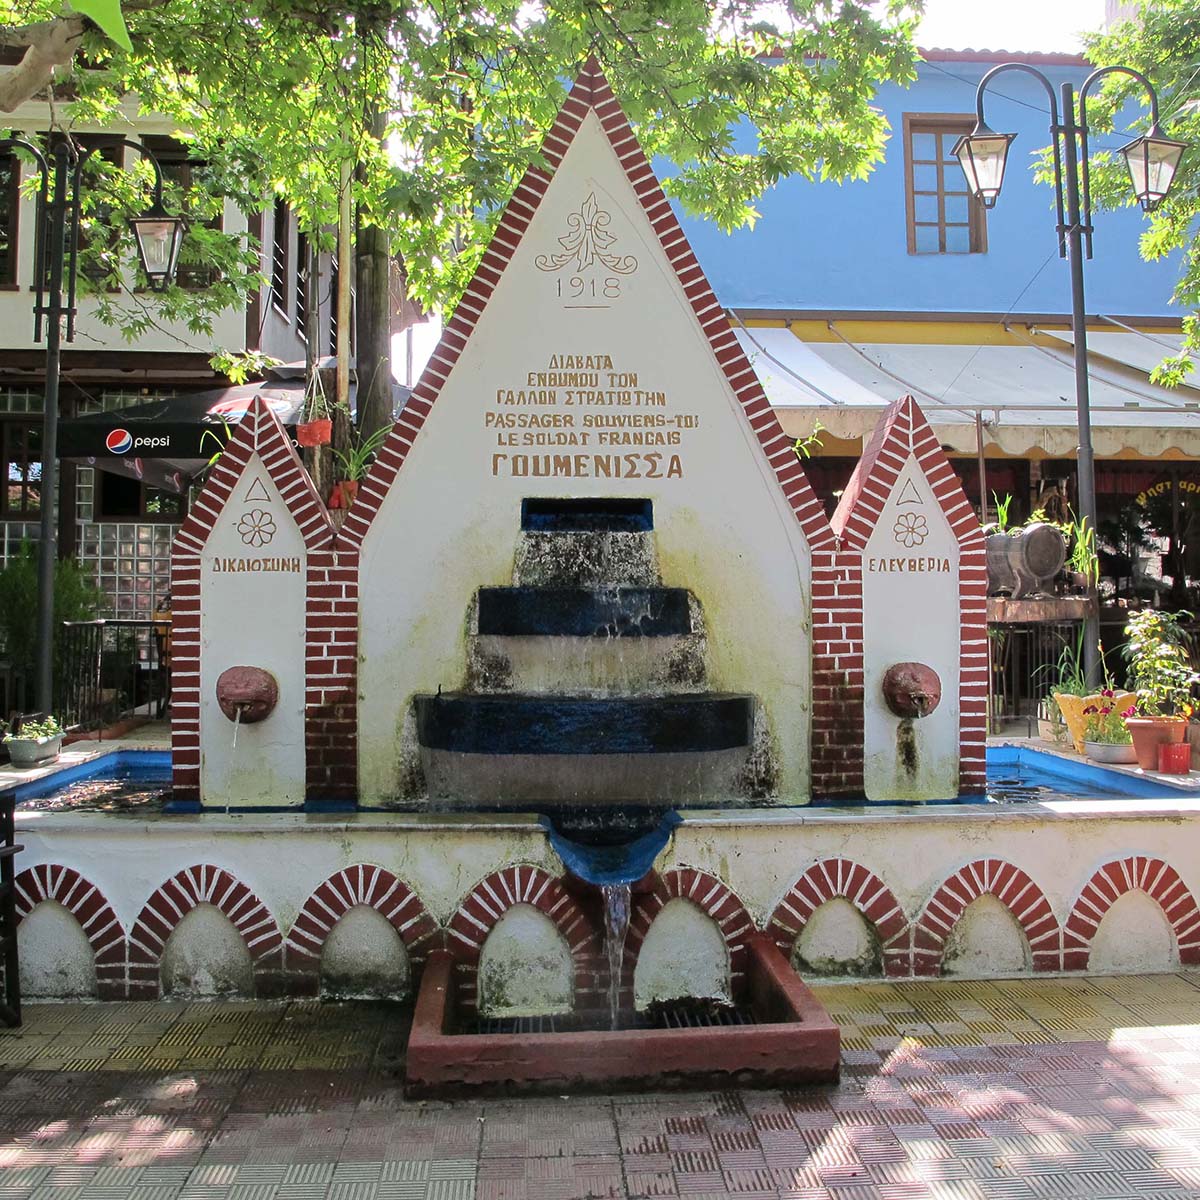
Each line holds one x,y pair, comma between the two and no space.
47,545
1085,463
981,466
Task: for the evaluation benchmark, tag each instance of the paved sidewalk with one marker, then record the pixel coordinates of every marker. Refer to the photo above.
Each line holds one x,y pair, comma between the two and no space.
954,1091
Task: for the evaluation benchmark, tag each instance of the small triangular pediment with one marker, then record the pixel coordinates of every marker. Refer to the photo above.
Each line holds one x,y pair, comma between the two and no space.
260,474
904,464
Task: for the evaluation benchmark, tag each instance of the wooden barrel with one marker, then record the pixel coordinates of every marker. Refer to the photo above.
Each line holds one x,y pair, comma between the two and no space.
1025,561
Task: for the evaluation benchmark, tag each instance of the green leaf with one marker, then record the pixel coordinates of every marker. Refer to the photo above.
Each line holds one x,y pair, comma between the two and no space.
107,15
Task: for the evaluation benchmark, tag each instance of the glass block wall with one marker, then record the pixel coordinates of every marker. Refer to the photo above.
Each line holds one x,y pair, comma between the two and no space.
131,562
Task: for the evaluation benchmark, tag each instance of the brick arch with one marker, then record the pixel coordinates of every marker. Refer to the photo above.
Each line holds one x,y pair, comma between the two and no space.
1134,873
174,899
478,914
713,898
88,905
840,878
986,877
362,885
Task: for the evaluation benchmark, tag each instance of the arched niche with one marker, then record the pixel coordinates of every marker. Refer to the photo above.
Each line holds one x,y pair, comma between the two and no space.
206,956
1134,937
986,941
57,960
364,956
836,940
525,966
683,955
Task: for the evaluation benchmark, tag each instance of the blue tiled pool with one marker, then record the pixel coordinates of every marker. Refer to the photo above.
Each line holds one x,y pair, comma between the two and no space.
132,781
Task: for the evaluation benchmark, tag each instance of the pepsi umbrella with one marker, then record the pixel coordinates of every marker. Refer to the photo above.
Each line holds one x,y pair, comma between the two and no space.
167,442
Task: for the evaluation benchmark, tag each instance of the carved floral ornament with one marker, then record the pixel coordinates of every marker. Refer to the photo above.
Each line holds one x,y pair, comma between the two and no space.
587,243
911,529
257,527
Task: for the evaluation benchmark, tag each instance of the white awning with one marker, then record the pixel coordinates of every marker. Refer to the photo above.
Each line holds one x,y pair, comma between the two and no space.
1132,348
1024,391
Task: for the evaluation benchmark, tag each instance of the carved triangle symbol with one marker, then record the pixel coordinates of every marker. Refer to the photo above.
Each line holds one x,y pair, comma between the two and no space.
258,491
909,495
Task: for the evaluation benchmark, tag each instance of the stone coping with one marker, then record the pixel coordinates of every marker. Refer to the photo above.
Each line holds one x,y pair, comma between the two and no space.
1185,805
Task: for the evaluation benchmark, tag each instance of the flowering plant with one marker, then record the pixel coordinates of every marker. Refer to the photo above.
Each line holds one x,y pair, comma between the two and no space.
1190,711
1104,725
35,731
1159,667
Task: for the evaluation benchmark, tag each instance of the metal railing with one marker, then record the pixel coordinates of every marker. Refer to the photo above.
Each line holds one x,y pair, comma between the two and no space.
1024,661
112,669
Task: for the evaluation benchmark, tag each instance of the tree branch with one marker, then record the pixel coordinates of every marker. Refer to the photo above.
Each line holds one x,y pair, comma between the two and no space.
52,44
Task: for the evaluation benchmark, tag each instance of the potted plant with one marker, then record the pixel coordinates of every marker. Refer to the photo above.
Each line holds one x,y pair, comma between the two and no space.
1106,739
1050,724
1073,695
315,427
1161,674
34,742
352,466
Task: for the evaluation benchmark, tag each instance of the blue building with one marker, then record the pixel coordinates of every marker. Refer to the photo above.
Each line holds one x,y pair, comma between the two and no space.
847,296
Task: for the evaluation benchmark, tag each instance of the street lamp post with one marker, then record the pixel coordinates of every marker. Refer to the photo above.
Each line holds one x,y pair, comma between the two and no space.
1152,160
158,238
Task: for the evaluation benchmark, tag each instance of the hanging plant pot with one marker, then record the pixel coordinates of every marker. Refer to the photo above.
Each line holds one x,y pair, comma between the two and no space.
344,493
315,433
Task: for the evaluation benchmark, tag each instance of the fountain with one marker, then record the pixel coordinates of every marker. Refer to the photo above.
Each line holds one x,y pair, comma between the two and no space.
587,579
557,710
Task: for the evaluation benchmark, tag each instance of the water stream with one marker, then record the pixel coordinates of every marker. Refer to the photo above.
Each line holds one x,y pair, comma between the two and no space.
616,927
237,721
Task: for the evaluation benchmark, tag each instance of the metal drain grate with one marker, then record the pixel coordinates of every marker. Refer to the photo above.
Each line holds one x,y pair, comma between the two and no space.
661,1018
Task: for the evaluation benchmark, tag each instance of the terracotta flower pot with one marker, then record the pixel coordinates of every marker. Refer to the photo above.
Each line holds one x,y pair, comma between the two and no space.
344,493
315,433
1151,732
1174,758
1072,708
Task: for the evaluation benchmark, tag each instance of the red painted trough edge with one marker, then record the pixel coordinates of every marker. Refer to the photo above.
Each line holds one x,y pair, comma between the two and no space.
796,1042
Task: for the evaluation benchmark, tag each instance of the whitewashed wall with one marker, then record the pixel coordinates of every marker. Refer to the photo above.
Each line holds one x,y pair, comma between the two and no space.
911,614
252,587
451,520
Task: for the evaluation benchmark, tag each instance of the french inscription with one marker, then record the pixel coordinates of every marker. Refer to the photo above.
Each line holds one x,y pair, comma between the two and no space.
585,402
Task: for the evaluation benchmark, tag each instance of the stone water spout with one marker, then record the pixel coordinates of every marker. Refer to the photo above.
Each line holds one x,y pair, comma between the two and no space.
247,695
911,689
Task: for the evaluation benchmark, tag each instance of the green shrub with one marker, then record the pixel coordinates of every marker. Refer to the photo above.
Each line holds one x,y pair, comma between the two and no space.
76,598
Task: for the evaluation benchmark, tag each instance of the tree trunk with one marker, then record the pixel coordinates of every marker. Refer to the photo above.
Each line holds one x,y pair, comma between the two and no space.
373,327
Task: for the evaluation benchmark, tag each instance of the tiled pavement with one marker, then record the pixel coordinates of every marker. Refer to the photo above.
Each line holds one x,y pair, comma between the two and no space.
954,1091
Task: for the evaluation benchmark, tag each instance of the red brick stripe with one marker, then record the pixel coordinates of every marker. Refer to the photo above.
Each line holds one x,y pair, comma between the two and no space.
84,901
1007,883
1135,872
